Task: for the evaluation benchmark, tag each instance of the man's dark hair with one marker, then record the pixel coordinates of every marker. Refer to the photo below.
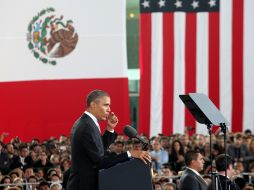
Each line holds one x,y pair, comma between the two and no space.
22,146
43,183
221,161
191,155
95,95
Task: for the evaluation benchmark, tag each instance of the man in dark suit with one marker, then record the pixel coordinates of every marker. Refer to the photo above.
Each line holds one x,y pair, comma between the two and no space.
191,179
88,155
220,179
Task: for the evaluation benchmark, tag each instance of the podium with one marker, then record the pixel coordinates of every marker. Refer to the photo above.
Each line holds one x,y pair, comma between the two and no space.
129,175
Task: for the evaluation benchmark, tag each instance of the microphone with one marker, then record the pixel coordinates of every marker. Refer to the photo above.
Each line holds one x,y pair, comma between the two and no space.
132,133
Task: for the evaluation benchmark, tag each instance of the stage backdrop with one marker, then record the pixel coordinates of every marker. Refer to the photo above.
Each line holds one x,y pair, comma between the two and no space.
203,46
52,53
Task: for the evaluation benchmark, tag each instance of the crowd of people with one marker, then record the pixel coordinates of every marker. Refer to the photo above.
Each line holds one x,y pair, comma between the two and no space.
43,164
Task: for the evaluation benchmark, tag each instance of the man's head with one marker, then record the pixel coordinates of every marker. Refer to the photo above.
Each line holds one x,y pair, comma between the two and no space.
23,150
118,147
194,160
238,140
55,186
98,104
44,185
221,166
156,145
28,171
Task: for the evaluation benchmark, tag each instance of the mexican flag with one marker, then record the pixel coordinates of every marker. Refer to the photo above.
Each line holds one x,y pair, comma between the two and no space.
54,52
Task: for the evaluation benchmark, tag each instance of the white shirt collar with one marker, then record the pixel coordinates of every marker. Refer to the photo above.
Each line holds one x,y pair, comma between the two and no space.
93,118
193,171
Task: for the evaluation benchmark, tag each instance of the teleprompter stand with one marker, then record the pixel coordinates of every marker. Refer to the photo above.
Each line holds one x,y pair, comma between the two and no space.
205,112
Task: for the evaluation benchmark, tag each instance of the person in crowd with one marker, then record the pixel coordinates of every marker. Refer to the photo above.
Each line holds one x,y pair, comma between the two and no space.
157,186
237,150
176,157
169,186
88,154
5,161
13,175
159,156
55,186
5,181
39,173
9,148
28,172
128,145
43,162
43,185
164,141
31,158
65,164
19,160
118,147
191,178
32,183
224,164
137,145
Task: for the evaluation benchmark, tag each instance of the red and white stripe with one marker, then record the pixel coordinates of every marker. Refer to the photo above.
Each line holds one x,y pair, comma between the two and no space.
40,100
210,53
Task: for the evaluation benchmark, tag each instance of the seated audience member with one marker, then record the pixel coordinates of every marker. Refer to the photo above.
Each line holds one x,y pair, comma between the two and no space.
19,160
169,186
157,186
43,162
191,179
176,157
118,147
5,161
159,156
6,180
32,180
128,145
137,145
43,185
55,186
238,151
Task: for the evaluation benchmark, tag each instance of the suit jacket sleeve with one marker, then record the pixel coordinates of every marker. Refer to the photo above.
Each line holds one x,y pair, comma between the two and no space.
108,138
190,183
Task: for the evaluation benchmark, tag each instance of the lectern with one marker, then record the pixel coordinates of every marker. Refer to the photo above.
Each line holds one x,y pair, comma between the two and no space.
130,175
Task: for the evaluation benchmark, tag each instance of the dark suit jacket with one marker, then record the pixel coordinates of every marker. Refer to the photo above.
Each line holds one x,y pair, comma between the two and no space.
221,183
88,155
192,181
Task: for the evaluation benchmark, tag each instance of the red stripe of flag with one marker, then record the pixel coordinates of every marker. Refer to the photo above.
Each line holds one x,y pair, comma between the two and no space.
237,66
145,73
168,73
190,62
214,59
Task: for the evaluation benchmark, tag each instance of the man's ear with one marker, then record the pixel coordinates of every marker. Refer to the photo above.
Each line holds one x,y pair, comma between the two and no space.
92,105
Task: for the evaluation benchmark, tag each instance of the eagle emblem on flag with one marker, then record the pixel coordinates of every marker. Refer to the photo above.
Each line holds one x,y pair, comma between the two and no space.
50,36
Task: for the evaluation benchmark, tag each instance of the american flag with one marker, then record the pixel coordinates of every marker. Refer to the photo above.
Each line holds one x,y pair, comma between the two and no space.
204,46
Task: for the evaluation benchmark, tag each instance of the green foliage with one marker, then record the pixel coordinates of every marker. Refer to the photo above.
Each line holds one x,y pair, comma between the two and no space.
44,60
52,62
30,45
42,12
36,55
30,27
